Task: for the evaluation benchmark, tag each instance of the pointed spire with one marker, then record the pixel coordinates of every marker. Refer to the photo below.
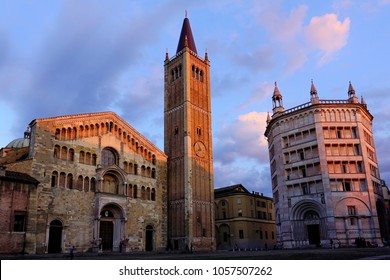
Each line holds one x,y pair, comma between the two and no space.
351,90
206,56
313,90
268,118
166,55
277,95
277,98
186,39
363,102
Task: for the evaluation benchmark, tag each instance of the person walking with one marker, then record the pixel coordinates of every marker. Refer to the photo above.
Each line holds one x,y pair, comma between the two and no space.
71,252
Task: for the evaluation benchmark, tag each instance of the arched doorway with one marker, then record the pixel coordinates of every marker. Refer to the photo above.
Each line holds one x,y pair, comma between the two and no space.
55,237
312,222
308,223
111,227
149,238
106,231
223,238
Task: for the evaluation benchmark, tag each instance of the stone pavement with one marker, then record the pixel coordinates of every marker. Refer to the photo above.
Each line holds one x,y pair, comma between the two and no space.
288,254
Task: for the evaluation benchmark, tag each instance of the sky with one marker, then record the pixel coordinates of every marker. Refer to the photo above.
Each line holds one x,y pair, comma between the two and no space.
71,57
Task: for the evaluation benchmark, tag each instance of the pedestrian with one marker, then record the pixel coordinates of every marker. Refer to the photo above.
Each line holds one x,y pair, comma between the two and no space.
71,252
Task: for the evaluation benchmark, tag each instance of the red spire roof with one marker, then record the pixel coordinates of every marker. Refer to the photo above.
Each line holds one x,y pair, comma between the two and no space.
186,38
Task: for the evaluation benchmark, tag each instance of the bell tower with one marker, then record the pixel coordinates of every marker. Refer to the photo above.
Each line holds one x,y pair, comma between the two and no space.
188,145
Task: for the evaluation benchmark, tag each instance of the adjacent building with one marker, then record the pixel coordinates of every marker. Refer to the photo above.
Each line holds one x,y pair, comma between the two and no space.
18,192
325,177
244,220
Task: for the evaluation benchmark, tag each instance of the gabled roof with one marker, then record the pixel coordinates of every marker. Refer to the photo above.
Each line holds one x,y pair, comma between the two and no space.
186,35
97,118
232,189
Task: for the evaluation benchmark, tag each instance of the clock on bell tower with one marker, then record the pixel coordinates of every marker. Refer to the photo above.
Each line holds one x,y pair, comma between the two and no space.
188,145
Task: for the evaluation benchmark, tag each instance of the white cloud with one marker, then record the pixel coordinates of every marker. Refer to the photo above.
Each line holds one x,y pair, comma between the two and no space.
284,30
327,34
294,41
242,139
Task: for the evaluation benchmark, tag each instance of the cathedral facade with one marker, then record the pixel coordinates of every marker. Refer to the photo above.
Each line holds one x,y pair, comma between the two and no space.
99,185
325,180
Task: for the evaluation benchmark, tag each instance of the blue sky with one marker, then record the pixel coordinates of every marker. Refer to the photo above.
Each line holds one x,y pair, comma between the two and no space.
68,57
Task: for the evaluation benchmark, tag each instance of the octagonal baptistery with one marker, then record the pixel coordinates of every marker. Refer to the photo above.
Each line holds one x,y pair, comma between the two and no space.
324,171
103,186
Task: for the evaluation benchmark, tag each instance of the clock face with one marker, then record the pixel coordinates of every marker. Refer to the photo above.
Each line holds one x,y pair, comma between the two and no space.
200,149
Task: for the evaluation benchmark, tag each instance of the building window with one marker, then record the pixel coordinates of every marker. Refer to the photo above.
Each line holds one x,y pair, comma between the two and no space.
54,179
108,157
305,189
19,221
339,133
240,212
241,234
238,201
351,210
266,234
347,186
261,234
199,131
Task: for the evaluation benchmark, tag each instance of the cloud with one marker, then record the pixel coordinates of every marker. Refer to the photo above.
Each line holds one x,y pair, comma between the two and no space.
293,41
327,34
284,30
242,139
259,93
84,62
260,59
254,177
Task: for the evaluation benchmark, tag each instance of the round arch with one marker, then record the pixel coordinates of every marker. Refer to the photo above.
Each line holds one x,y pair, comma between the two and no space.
109,157
114,181
55,236
299,209
308,220
223,237
111,226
